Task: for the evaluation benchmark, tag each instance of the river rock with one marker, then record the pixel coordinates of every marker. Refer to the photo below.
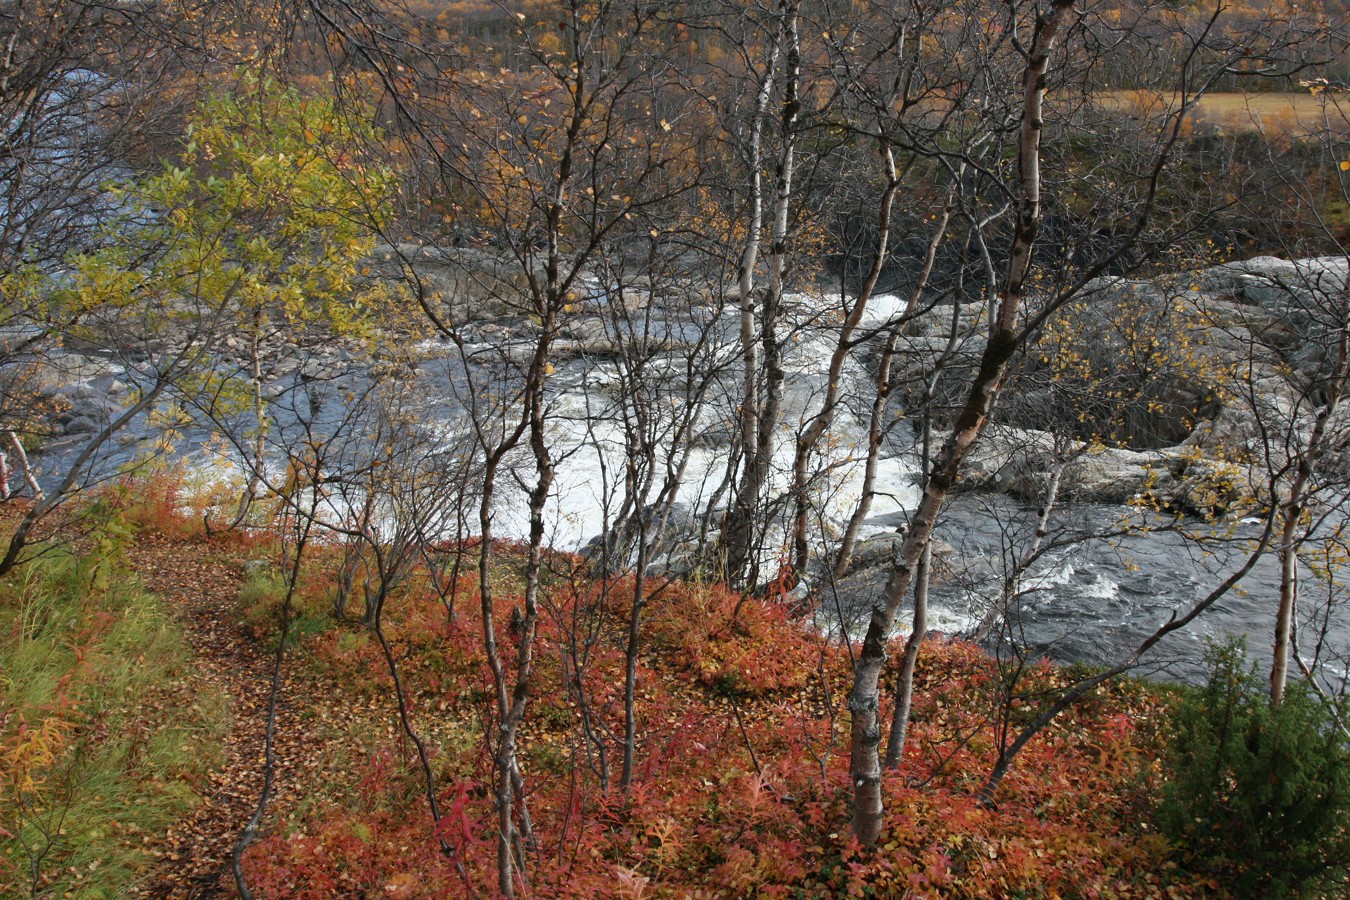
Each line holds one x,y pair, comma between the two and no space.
1211,488
1118,476
17,339
1014,461
83,425
1019,462
880,549
1270,281
715,435
280,369
78,392
585,328
84,402
674,552
74,368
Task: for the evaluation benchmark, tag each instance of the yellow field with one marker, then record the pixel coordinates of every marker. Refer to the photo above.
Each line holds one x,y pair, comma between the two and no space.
1284,113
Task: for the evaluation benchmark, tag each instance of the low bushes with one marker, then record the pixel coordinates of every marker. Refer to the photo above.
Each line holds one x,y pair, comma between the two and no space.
1258,795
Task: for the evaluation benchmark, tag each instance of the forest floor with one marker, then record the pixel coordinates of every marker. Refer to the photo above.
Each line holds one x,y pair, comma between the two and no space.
741,779
203,588
202,581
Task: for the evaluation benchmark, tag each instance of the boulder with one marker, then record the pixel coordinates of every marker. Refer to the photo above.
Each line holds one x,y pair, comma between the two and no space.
1294,291
1117,476
880,549
84,402
1211,488
1019,462
1009,460
83,425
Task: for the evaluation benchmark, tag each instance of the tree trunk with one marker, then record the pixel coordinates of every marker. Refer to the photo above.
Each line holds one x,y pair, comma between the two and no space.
876,428
630,678
742,533
24,467
904,690
1292,512
749,411
1004,341
1284,618
258,475
865,695
821,422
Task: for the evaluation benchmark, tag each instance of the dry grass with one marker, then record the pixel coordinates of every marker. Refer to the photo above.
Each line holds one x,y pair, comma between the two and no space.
1299,113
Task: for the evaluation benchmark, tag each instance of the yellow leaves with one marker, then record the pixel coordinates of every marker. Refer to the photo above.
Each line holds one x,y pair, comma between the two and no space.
32,751
664,837
1345,165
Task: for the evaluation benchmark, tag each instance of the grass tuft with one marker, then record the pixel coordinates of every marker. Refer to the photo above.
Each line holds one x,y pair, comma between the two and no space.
99,736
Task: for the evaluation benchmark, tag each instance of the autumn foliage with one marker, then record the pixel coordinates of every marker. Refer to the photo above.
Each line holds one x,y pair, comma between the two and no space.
742,784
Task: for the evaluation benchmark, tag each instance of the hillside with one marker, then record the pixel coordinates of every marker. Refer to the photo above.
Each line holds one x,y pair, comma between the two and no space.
740,786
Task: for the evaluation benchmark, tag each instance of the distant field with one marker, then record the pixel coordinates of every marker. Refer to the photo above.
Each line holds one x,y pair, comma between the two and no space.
1299,113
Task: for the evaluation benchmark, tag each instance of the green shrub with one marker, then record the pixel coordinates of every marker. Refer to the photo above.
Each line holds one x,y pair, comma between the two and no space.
1258,796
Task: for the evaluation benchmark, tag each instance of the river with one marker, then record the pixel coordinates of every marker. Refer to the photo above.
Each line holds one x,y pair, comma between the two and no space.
1091,601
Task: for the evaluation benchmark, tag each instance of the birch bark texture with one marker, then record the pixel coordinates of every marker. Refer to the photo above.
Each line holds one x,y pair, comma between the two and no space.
864,698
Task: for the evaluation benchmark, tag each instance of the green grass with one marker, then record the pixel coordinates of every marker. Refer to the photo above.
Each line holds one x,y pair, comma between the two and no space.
100,736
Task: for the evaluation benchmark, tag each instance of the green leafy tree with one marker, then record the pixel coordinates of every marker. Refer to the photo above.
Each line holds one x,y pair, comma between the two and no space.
277,201
1258,791
257,231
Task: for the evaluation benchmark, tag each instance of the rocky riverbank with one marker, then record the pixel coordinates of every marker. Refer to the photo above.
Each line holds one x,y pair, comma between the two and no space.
1258,334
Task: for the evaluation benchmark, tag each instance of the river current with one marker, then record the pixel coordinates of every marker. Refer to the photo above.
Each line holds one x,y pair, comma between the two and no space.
1090,600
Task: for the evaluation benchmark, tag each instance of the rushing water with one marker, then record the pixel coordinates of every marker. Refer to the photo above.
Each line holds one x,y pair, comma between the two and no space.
1090,600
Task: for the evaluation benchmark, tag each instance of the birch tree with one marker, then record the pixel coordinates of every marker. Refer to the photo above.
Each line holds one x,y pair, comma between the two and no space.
1031,286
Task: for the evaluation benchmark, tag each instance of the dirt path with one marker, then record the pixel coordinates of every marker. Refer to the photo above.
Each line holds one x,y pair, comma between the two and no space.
195,859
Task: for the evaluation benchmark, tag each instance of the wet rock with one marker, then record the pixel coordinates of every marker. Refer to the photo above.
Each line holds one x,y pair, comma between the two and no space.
1019,462
589,328
1210,488
281,369
881,549
80,392
715,435
1010,460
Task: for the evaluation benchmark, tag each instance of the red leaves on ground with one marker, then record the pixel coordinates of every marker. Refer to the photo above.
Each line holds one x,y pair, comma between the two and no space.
742,780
